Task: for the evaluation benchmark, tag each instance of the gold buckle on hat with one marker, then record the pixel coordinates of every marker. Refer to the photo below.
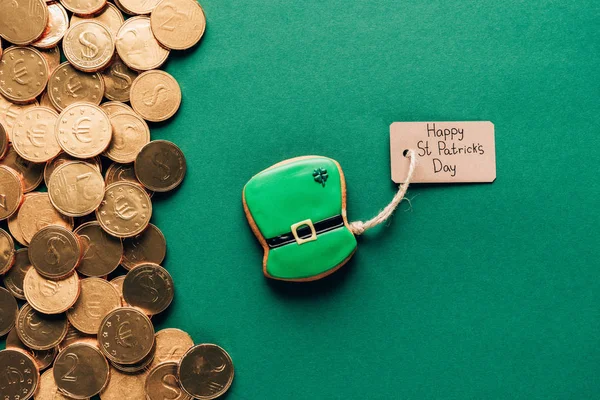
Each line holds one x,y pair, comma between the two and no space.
297,225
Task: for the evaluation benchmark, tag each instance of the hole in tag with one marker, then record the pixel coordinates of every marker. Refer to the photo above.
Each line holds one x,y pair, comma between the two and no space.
405,152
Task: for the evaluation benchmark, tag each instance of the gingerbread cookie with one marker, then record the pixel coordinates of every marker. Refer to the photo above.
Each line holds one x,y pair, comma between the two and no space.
297,210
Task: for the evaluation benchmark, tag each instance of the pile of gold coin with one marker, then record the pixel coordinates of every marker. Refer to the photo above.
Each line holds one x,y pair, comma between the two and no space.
85,324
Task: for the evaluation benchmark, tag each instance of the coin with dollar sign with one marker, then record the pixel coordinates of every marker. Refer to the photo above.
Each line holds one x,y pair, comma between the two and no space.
160,166
117,80
89,46
155,95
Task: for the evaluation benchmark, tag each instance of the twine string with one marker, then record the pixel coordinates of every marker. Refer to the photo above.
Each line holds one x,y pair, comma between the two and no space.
359,227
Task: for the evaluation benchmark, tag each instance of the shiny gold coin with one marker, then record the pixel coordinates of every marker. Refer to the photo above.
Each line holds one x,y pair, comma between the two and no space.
160,166
148,287
20,375
98,297
125,210
101,252
162,383
118,284
13,279
74,336
31,173
84,7
54,252
126,336
52,56
130,134
139,7
48,296
7,253
46,102
149,246
25,74
81,371
206,371
89,46
4,141
178,24
64,158
83,130
155,95
36,213
8,311
171,345
42,358
67,86
117,80
76,188
115,107
110,16
22,22
10,111
47,389
58,23
11,193
137,46
33,135
39,331
124,386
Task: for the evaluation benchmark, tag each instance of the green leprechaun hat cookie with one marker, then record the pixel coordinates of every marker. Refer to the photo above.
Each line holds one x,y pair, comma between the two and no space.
297,210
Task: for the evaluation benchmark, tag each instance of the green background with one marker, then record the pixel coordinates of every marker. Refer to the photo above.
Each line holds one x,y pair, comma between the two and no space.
486,291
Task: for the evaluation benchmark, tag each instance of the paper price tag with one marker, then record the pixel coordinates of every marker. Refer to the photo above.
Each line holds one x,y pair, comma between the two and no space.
446,151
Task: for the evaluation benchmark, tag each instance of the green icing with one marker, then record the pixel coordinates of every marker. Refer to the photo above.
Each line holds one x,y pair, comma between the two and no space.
308,188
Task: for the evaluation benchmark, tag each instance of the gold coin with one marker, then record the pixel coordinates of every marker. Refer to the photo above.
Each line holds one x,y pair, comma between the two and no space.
74,336
89,46
148,287
125,210
15,229
54,252
9,113
39,331
76,188
101,251
118,284
11,193
160,166
52,56
64,158
48,296
162,383
122,386
42,358
22,22
25,74
13,279
36,213
126,336
206,371
20,373
33,135
46,102
81,371
84,7
137,46
139,7
8,311
149,246
4,141
98,297
111,17
130,134
58,23
155,95
117,80
47,389
7,254
31,173
83,130
171,345
178,24
68,85
115,107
